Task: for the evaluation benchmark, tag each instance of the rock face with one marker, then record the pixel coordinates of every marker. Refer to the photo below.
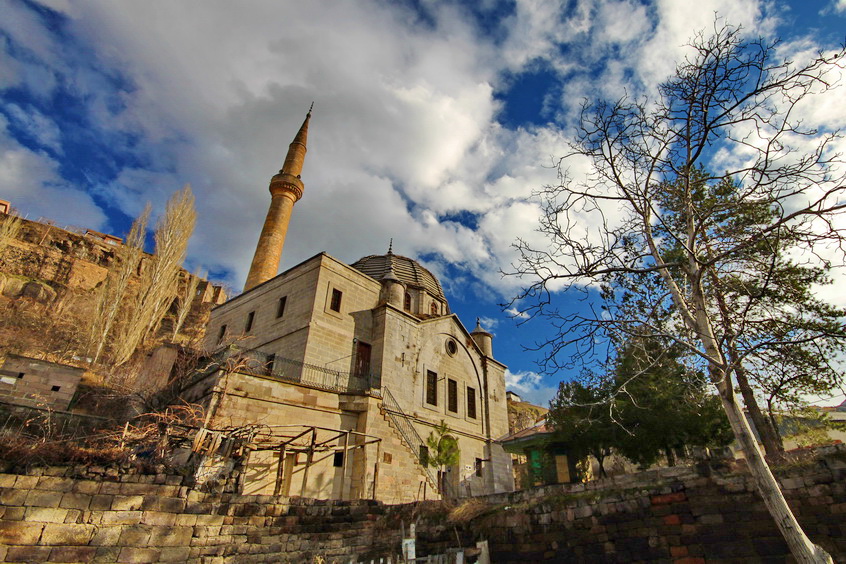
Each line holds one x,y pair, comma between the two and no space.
522,415
49,283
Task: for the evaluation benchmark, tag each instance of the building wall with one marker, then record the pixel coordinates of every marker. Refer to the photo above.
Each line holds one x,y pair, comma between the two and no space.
285,335
32,382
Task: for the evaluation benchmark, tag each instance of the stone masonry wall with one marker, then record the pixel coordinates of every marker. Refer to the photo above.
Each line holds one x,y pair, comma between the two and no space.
670,515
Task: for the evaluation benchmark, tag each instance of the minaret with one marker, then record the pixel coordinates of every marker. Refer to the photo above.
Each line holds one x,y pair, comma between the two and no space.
285,189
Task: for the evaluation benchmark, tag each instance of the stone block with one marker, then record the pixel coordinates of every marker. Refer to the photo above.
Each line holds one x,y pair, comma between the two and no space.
13,514
19,532
186,520
210,519
175,554
75,501
672,520
86,487
64,534
100,502
144,555
39,498
135,535
127,502
26,482
171,536
28,554
138,489
106,536
110,488
10,496
7,480
167,504
46,514
54,483
75,516
73,553
121,518
158,518
107,554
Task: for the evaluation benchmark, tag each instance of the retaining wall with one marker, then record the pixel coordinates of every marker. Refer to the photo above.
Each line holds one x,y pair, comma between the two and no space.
677,514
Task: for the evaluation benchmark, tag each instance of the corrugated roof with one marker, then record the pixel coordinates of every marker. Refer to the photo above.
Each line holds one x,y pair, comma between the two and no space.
407,270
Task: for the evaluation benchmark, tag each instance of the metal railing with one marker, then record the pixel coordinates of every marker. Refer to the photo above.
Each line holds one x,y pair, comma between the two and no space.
407,431
285,369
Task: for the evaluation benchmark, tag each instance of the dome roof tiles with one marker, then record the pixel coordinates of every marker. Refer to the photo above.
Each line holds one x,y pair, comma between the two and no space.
407,270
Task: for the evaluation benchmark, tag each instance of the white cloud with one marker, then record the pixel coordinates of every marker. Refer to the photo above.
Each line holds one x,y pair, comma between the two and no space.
36,124
839,6
530,386
404,134
31,181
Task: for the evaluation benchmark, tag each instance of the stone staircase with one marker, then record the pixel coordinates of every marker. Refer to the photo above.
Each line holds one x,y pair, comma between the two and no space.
402,427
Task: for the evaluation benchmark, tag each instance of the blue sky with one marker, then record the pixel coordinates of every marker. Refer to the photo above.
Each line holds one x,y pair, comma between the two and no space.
433,121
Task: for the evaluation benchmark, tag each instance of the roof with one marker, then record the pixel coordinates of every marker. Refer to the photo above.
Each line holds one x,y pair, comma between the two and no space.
541,430
407,270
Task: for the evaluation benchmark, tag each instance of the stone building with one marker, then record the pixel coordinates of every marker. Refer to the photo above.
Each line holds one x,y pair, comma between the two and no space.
38,383
339,373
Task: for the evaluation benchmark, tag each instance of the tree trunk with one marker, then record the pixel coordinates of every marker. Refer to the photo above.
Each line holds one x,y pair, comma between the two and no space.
801,547
772,445
774,422
671,457
600,460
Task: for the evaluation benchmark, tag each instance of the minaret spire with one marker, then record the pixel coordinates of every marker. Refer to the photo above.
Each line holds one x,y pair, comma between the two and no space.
286,189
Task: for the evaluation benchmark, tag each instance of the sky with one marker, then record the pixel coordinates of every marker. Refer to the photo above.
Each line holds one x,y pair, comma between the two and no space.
433,121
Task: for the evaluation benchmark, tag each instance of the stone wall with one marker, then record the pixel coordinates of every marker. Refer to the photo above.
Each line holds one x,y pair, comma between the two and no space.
677,514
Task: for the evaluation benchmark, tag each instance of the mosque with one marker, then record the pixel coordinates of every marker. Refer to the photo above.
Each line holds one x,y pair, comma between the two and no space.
340,374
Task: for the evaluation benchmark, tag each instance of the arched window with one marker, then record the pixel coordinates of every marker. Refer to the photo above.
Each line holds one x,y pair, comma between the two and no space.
407,302
434,308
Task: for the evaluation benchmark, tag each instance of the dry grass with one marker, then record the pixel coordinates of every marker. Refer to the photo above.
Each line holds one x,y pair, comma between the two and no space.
468,510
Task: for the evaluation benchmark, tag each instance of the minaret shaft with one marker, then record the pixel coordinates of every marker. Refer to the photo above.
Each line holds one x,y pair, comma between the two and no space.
285,189
271,241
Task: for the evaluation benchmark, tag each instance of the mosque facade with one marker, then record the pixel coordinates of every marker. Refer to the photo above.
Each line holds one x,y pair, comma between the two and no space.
342,373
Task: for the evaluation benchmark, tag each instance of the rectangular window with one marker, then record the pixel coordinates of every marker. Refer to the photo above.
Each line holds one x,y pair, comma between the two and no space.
338,460
335,304
222,333
280,307
55,388
452,395
471,402
431,388
249,325
424,456
479,467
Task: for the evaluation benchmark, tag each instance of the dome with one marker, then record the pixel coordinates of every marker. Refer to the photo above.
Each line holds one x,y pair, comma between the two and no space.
405,269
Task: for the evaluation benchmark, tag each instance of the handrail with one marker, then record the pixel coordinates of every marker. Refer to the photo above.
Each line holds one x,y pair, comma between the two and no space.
407,431
259,363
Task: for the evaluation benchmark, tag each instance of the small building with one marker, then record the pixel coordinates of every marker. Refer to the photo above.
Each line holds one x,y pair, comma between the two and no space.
538,459
38,383
105,237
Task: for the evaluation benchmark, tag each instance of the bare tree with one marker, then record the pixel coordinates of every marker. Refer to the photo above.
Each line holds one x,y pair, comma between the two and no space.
716,249
9,228
110,300
160,279
192,282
